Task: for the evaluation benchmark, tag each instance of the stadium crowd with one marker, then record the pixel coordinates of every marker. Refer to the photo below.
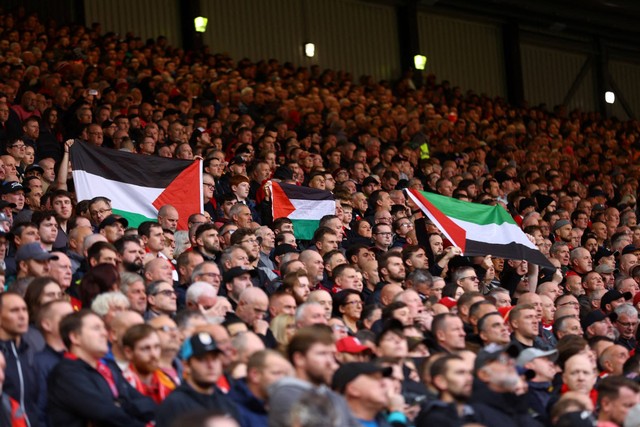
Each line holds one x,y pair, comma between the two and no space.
376,321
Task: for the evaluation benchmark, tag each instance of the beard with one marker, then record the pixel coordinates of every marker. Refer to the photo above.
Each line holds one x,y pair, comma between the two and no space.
132,267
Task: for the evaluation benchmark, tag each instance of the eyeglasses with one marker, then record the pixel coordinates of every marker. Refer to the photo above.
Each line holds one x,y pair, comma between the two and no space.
383,234
353,303
210,185
166,293
474,278
18,146
627,324
213,275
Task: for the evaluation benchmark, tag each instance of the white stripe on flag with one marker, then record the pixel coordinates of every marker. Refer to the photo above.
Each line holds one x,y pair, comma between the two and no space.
494,233
124,197
434,220
312,209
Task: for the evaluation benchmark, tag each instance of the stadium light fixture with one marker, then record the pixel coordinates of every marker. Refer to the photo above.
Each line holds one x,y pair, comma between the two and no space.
609,97
201,24
420,61
310,50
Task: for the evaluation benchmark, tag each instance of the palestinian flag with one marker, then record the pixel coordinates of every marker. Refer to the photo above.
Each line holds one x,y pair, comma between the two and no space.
478,229
137,185
304,206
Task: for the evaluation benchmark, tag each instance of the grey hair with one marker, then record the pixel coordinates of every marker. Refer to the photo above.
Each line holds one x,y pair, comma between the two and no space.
101,304
127,279
198,289
302,309
626,309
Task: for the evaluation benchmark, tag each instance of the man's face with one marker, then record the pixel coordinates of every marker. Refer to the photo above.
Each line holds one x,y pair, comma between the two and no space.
393,345
329,243
454,334
275,368
99,211
210,241
459,380
239,284
283,304
383,236
315,266
205,370
107,256
495,331
617,409
113,232
92,337
527,324
60,270
132,256
14,315
395,269
145,355
62,205
239,258
16,197
155,241
627,326
603,328
211,274
48,230
243,219
137,296
170,220
583,262
37,268
319,363
164,299
251,246
29,235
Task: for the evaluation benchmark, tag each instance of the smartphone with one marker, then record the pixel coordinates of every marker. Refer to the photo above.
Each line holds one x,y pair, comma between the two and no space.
93,92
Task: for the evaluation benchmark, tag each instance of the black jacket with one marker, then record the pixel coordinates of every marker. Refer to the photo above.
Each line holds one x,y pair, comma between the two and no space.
79,395
185,399
500,409
21,379
441,414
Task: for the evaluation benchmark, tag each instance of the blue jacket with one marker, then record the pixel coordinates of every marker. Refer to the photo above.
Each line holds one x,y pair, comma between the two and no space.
252,409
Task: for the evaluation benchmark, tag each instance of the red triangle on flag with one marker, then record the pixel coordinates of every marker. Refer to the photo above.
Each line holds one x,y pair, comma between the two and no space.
282,206
184,193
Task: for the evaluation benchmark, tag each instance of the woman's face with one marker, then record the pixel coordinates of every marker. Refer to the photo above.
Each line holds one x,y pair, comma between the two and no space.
29,155
364,229
50,292
352,307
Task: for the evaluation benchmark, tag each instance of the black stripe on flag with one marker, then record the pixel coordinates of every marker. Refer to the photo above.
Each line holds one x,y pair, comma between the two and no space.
304,193
509,251
130,168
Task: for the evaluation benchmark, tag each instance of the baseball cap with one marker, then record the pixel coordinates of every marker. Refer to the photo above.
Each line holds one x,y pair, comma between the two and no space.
237,160
5,204
281,249
112,219
198,345
613,295
350,345
234,272
532,353
492,352
603,252
597,316
12,187
629,249
350,371
34,167
33,251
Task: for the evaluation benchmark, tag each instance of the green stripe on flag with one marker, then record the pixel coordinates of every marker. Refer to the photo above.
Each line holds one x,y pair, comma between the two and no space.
134,219
471,212
303,229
